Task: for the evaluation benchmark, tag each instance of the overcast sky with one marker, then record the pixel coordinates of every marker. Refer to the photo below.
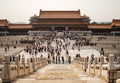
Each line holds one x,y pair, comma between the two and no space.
22,10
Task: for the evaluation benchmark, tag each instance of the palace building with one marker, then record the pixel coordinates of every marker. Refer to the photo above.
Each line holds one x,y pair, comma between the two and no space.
59,21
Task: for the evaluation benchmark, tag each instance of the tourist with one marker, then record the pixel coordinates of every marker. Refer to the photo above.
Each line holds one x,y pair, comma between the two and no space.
5,49
19,57
53,59
63,60
16,41
56,59
69,59
67,52
87,58
1,45
49,59
77,55
107,59
31,60
102,51
14,47
92,57
79,48
114,45
10,58
7,46
73,47
85,65
41,56
13,58
45,49
36,52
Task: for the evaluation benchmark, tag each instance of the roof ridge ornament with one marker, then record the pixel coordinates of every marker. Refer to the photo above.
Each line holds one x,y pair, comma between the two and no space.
40,11
79,11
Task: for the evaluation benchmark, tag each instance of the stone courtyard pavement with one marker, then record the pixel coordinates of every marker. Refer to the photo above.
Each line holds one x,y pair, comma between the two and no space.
11,52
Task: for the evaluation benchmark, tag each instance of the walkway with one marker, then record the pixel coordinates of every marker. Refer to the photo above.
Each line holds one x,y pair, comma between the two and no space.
60,73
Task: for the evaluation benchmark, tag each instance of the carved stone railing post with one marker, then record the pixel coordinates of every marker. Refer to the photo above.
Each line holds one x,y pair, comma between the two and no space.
17,62
95,62
27,67
23,62
112,73
33,64
85,64
111,65
6,70
101,63
90,61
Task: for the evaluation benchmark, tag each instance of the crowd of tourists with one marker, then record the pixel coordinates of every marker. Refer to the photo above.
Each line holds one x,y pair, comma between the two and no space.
53,50
53,46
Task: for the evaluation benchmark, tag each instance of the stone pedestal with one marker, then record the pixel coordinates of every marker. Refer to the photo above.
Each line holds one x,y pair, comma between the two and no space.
112,76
